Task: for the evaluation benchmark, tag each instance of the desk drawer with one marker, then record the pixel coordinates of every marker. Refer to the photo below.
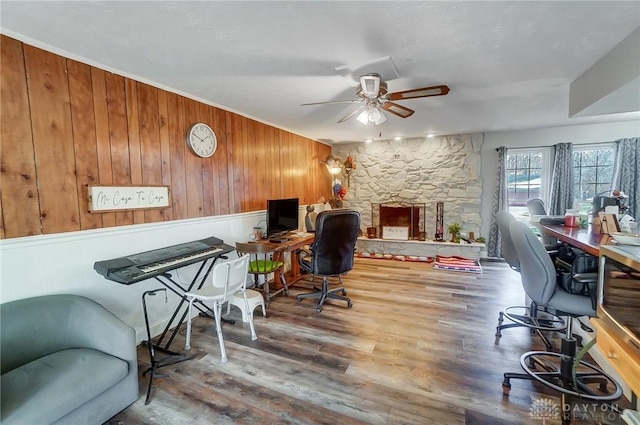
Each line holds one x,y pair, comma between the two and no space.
622,358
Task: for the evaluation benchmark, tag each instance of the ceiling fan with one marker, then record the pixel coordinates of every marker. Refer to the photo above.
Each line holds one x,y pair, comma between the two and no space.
373,95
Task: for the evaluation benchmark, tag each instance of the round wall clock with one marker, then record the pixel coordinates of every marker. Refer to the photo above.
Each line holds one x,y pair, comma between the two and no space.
202,140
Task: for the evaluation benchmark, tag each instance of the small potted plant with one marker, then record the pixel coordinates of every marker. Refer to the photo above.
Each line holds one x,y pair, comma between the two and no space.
454,229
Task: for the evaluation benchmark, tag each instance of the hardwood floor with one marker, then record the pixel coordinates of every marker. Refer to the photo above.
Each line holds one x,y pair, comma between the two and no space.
417,347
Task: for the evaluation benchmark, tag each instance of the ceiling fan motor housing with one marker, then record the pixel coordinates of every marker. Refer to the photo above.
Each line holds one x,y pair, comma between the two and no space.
370,86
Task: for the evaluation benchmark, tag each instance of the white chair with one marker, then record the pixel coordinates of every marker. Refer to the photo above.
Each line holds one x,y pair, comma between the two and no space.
227,278
253,299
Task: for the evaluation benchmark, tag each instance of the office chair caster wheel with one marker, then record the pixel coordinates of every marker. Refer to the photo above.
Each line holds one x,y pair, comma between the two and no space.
506,388
318,309
349,304
344,292
299,299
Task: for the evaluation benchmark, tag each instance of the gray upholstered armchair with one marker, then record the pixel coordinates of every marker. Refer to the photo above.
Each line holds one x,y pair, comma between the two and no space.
65,359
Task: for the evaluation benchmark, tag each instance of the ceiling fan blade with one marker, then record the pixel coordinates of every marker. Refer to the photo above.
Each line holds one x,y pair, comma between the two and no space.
423,92
331,101
349,115
396,109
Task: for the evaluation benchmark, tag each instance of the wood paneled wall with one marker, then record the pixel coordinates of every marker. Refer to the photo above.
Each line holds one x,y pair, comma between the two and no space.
66,125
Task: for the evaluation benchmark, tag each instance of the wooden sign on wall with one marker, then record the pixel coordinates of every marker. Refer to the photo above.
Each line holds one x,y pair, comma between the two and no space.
110,198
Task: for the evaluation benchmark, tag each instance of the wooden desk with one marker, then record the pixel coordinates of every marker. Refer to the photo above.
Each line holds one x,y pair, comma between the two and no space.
291,246
588,239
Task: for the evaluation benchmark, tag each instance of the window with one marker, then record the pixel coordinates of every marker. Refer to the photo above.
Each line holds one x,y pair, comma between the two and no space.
524,175
592,173
527,177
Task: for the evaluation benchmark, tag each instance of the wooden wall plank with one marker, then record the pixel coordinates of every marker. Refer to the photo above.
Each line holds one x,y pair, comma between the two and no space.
237,163
165,145
298,167
221,202
119,139
303,169
133,129
270,188
150,143
193,163
177,146
208,166
19,194
99,86
52,140
286,151
260,166
276,155
93,127
231,154
84,139
248,146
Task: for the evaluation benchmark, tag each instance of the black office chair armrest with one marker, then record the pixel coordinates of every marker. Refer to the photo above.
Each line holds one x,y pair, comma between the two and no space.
590,280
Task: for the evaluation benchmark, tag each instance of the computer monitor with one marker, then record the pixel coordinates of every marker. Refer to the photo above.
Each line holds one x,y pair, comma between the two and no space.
282,216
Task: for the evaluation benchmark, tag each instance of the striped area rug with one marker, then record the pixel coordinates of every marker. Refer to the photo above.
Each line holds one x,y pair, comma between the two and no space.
457,264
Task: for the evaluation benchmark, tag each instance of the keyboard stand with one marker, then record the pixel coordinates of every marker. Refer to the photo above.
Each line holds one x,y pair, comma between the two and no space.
172,357
167,280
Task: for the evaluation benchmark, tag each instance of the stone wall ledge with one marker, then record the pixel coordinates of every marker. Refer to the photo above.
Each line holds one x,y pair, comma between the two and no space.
428,248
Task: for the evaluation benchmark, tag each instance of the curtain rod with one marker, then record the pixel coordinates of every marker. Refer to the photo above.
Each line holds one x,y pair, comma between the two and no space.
550,146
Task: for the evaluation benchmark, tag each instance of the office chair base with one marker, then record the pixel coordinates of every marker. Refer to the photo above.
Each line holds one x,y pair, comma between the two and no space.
556,370
528,318
553,323
324,294
557,374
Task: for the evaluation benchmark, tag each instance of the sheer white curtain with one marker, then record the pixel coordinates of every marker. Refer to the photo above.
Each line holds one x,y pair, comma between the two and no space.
562,180
500,203
625,172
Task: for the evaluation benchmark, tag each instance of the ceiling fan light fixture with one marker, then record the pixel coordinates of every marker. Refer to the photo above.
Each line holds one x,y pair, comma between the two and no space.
380,119
374,114
363,117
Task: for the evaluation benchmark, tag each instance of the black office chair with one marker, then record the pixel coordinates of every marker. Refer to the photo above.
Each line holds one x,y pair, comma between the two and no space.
522,316
331,253
559,371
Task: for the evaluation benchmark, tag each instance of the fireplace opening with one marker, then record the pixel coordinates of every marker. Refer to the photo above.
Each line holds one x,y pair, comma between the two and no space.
399,220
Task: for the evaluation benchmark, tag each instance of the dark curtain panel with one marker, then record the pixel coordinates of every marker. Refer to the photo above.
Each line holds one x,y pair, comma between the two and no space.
562,180
500,203
625,172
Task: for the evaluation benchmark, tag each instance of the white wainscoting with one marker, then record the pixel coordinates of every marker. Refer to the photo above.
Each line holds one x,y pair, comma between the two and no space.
63,263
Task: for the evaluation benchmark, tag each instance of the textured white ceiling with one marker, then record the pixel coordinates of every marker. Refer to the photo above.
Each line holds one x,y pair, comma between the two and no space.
508,64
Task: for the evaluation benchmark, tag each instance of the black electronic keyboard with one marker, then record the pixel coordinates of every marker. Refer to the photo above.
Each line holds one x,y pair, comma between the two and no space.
137,267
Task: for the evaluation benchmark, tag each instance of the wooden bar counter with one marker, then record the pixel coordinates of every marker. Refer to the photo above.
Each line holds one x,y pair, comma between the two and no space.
621,353
587,239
